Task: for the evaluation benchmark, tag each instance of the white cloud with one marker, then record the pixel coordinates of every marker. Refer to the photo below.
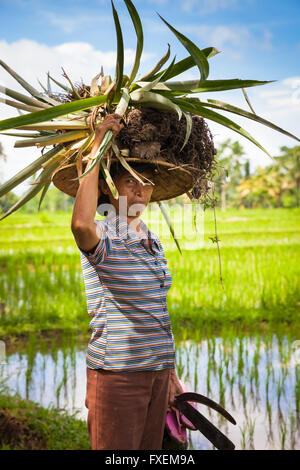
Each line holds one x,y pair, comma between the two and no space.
32,61
286,97
232,39
204,7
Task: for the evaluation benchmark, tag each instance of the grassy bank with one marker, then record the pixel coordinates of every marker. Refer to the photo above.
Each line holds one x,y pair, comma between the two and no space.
25,425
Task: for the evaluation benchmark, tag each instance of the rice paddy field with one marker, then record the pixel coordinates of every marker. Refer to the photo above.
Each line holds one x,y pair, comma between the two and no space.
237,339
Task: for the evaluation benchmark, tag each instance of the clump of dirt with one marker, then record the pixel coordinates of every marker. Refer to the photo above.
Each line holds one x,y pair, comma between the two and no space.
152,134
16,433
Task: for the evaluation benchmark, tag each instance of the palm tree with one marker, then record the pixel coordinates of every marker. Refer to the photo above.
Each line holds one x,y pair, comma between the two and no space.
231,167
290,163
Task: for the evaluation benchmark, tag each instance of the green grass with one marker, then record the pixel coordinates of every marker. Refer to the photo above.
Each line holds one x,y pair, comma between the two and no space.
37,428
41,284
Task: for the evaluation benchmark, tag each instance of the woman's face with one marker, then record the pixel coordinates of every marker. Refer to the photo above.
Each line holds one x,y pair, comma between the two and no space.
132,189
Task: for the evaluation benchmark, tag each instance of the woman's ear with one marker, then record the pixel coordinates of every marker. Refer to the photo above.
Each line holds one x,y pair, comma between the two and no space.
102,186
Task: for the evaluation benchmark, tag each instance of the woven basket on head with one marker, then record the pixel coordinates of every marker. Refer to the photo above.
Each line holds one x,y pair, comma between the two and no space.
169,180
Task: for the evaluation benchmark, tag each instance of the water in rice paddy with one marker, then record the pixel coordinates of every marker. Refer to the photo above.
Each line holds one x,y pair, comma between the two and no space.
255,377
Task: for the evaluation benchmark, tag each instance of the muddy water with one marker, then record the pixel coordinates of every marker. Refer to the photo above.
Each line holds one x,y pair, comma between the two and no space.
256,378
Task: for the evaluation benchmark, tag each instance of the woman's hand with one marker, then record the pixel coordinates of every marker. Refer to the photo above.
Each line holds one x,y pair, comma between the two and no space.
109,123
175,388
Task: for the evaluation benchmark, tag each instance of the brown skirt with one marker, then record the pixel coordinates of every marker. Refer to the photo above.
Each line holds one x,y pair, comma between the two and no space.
126,410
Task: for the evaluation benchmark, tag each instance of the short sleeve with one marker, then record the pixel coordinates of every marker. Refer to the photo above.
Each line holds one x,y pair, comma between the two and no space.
102,249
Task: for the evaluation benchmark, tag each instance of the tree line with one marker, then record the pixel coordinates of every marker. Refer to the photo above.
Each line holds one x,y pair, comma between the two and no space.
236,186
275,185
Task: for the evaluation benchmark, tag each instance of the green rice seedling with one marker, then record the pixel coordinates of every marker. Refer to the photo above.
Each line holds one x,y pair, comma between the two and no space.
283,430
256,359
221,386
179,363
243,393
31,353
293,430
251,428
297,389
208,373
63,382
279,387
269,410
243,431
240,357
196,375
231,383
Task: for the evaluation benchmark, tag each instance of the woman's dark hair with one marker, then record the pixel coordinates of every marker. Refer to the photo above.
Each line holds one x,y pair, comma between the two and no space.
117,168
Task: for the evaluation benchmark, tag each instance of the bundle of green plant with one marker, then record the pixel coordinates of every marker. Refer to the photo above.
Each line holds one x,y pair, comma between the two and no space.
67,121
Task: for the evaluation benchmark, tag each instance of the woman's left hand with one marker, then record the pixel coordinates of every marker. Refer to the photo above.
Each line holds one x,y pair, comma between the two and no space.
175,388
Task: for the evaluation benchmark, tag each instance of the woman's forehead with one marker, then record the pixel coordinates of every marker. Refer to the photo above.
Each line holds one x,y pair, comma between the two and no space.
146,172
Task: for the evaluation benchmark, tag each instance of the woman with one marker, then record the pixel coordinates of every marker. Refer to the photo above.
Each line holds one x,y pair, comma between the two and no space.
131,379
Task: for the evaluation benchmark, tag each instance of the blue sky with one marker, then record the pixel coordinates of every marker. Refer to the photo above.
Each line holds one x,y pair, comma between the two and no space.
257,40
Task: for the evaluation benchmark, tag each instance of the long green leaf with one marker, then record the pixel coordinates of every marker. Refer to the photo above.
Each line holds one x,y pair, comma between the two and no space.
149,85
86,144
198,56
46,187
173,89
27,86
187,63
108,179
27,134
29,170
75,92
49,90
139,36
149,76
44,88
170,225
55,125
189,125
194,86
51,113
24,99
247,100
234,109
51,140
101,151
45,174
61,85
224,121
121,109
23,106
120,51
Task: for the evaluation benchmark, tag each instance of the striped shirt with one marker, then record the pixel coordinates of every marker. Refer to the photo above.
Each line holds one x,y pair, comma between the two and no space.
126,282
